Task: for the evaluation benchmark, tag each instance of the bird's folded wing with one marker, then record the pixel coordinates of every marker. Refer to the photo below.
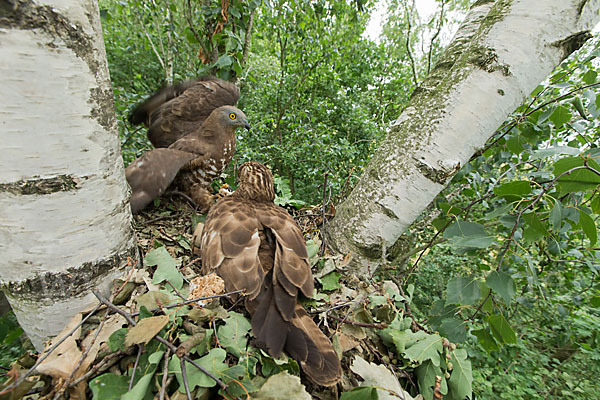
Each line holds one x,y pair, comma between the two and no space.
230,243
291,266
151,174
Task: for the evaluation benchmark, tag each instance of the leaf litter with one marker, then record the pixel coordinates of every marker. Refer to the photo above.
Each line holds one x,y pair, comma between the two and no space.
384,353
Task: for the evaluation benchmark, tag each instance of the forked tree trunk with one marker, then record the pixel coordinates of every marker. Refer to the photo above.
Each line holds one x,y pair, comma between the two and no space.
65,220
500,53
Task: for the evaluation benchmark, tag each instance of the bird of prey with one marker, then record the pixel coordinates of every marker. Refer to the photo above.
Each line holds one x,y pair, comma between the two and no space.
178,110
193,161
257,247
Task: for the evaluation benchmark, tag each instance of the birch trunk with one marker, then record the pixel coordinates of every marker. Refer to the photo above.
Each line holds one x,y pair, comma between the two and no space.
500,53
65,220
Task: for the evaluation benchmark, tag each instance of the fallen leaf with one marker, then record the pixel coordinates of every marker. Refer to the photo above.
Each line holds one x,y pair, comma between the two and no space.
145,330
378,375
282,386
152,300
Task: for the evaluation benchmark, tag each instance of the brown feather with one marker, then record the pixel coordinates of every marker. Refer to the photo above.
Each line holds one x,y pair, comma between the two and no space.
191,163
256,246
175,111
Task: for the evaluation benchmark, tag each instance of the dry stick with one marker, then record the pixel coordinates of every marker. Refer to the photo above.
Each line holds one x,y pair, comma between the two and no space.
103,365
184,303
184,377
177,292
165,383
42,358
169,345
361,324
135,365
322,251
86,352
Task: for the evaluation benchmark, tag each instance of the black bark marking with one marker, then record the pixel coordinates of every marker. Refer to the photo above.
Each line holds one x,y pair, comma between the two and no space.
42,186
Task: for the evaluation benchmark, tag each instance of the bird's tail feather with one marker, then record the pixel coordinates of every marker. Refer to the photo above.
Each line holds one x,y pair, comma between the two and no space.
300,337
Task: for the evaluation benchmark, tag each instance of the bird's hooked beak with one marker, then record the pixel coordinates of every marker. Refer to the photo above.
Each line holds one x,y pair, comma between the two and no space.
247,126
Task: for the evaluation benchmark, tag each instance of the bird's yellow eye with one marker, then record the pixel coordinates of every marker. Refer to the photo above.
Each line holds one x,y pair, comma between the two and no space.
232,116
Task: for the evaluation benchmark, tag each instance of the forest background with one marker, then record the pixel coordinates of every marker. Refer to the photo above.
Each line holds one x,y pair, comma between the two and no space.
320,93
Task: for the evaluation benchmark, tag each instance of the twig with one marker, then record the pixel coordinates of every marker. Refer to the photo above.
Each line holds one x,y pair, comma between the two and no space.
86,352
162,340
437,33
184,377
177,292
50,350
382,325
103,365
165,375
322,250
184,303
408,51
135,365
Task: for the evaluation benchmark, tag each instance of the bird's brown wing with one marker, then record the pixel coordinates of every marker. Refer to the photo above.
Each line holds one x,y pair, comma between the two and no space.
230,243
183,111
141,113
151,174
291,269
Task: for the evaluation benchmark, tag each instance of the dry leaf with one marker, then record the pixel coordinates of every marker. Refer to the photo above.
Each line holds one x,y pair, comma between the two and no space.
145,330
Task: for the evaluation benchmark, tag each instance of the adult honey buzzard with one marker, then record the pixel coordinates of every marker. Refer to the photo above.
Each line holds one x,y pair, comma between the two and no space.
257,247
195,137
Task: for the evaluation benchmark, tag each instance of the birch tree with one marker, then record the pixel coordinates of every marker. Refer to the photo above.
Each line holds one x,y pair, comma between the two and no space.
65,220
500,53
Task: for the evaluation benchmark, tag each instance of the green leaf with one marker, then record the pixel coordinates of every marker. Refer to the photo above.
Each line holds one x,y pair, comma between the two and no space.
426,373
461,379
503,284
556,215
109,386
462,290
590,77
282,386
512,189
361,393
331,281
560,116
552,151
468,235
454,329
578,180
224,61
428,348
579,106
486,340
501,329
166,269
212,362
589,227
234,334
139,390
116,341
534,228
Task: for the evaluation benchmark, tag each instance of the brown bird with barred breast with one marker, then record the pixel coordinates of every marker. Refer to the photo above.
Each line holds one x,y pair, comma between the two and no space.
257,247
201,149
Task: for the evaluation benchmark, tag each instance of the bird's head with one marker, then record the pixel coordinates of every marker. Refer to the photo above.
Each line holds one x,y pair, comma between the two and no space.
231,116
256,181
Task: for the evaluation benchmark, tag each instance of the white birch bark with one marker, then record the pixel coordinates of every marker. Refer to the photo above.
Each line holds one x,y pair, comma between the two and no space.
65,220
500,53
